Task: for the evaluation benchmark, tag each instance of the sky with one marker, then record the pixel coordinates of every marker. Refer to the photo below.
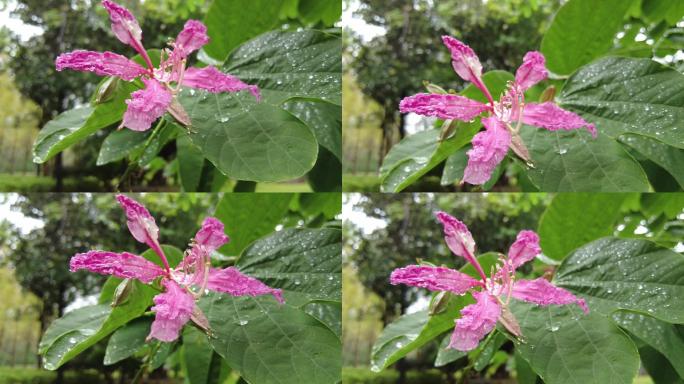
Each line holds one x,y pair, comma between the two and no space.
15,25
356,24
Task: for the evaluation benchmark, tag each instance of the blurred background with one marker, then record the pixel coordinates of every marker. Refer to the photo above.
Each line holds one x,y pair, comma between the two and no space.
382,232
392,46
40,232
33,33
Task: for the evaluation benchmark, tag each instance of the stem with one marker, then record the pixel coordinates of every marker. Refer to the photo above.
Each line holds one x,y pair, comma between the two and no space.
144,366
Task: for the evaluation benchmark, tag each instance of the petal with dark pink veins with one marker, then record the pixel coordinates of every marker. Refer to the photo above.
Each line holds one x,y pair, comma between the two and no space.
173,308
476,321
123,265
234,282
100,63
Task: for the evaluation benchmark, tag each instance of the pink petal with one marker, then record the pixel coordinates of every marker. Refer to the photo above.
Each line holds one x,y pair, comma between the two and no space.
532,70
542,292
442,106
525,248
232,281
211,235
142,225
466,64
552,117
489,149
100,63
191,38
459,240
434,278
476,321
126,28
124,265
173,309
209,238
124,24
146,105
211,79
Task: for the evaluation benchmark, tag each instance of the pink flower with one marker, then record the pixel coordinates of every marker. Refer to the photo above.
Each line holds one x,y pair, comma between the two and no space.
506,116
162,84
491,301
182,285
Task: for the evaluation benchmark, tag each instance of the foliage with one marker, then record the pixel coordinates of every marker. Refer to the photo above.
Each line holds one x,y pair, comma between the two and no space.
630,279
287,126
637,148
306,328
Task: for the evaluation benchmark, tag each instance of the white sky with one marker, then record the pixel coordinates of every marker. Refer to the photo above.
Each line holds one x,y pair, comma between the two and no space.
363,29
15,25
25,224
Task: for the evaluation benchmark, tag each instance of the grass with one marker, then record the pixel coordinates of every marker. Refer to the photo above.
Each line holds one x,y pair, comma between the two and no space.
360,182
27,375
32,183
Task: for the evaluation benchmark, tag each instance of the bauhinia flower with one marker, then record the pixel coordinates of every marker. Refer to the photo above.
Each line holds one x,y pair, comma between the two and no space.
162,84
492,293
182,285
504,117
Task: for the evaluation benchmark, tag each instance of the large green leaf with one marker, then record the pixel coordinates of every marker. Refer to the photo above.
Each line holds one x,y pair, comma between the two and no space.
230,23
581,31
658,367
326,11
626,95
417,154
285,65
120,144
632,274
574,219
455,166
669,158
325,119
270,343
127,340
412,331
190,163
565,346
75,125
243,223
247,140
575,162
305,263
668,339
200,363
80,329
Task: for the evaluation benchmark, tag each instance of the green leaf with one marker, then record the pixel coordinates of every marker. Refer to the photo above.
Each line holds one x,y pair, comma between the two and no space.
201,365
667,339
326,11
82,328
657,10
625,95
447,355
305,263
190,163
243,223
250,141
285,65
417,154
328,313
326,175
119,144
669,158
75,125
565,346
271,343
127,340
455,166
581,31
328,204
632,274
658,367
574,219
488,349
575,162
524,373
325,119
230,23
412,331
